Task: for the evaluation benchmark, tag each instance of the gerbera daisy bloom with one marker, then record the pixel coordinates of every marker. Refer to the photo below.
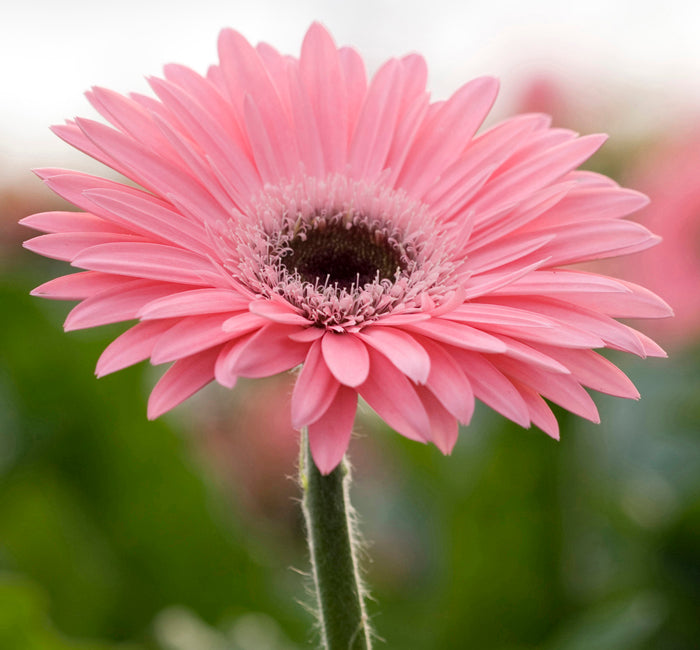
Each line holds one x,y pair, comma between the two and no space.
292,213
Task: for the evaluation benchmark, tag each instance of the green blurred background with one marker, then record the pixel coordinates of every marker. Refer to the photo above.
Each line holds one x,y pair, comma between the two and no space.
185,533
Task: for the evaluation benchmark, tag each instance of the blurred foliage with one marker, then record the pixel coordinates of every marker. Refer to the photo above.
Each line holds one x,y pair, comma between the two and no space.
115,533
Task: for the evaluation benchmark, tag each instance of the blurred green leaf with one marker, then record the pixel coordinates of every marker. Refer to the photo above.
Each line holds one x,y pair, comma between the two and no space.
24,624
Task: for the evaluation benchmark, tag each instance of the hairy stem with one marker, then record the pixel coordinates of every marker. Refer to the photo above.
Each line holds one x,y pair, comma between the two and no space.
332,546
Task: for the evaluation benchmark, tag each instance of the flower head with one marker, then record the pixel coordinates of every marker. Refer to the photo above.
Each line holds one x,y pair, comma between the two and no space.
292,213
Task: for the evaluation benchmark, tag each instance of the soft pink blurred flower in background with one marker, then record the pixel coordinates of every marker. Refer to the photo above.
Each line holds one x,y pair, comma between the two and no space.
544,93
669,173
249,442
295,213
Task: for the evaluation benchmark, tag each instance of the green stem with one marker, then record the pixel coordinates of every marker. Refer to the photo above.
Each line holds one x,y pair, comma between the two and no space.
329,525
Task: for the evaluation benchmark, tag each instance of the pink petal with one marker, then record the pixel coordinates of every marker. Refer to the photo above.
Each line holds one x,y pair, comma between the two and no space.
74,136
191,335
563,334
278,312
194,302
487,151
130,117
72,186
70,222
136,344
394,398
223,369
150,218
248,80
455,199
264,150
443,426
375,127
537,171
207,95
612,333
269,352
492,387
307,335
115,304
507,250
594,371
528,354
243,323
314,390
66,246
588,203
503,223
408,126
489,283
651,348
212,137
322,75
396,320
346,357
149,261
572,243
540,283
329,436
540,413
457,334
445,136
184,378
147,169
561,389
78,286
355,79
448,383
202,169
401,349
636,302
481,313
308,136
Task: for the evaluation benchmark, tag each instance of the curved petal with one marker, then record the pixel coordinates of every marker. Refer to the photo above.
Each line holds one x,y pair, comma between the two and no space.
278,311
401,349
561,389
492,387
457,334
116,304
269,352
66,246
394,398
192,334
330,435
540,413
448,383
136,344
447,134
443,425
81,285
322,75
314,390
346,357
184,378
194,302
150,261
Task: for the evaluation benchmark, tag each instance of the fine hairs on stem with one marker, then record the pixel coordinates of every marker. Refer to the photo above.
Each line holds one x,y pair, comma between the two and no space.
333,550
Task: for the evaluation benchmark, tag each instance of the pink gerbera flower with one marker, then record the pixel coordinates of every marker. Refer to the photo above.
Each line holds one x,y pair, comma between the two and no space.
293,213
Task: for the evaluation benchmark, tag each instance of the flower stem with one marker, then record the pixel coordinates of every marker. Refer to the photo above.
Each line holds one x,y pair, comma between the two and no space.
332,546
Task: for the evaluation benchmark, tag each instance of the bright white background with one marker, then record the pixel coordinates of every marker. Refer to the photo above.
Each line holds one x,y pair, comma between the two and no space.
51,52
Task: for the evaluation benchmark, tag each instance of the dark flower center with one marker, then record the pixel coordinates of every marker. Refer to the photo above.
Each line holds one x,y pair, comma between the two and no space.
343,256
